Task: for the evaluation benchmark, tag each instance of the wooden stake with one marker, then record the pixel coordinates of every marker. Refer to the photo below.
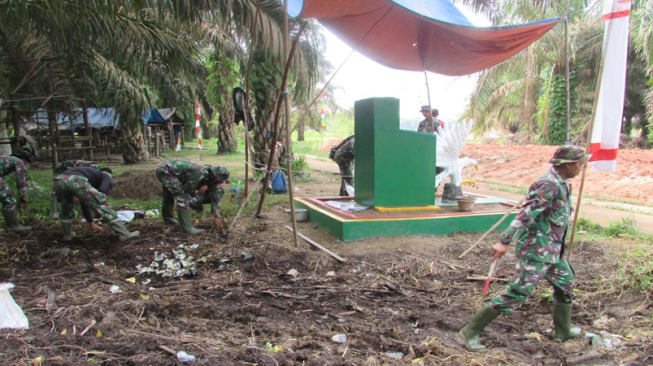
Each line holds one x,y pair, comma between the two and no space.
310,241
492,228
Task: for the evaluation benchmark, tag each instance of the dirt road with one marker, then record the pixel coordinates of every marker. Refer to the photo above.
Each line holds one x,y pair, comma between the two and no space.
599,211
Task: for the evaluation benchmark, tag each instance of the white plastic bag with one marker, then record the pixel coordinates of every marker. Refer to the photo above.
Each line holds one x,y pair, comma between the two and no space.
11,315
350,190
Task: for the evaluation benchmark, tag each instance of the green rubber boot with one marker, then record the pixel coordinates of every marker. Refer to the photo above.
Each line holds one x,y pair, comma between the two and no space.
11,219
54,209
168,214
68,233
562,320
186,221
479,321
124,234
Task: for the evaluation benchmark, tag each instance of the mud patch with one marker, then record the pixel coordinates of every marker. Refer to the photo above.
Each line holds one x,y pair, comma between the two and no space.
136,185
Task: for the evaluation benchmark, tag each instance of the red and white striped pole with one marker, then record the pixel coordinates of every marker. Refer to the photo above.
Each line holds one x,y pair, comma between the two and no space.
197,124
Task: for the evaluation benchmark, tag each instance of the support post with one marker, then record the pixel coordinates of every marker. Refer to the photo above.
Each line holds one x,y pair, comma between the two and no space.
286,45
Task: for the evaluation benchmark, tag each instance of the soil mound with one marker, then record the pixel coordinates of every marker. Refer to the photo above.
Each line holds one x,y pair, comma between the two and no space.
328,144
136,185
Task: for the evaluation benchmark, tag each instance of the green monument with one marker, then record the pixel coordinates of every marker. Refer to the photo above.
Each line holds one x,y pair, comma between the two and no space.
394,168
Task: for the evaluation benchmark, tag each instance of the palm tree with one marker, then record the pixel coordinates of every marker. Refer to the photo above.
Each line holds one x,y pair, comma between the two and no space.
224,75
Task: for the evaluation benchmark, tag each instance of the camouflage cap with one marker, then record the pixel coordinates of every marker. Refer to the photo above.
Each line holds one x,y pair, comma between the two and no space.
425,108
568,154
221,173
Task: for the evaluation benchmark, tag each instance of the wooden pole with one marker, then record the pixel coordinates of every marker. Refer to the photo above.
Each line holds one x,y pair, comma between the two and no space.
88,131
282,94
252,46
286,44
567,77
428,95
587,149
492,228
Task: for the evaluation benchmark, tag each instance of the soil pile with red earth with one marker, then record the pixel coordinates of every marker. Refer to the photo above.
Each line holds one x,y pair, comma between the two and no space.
521,165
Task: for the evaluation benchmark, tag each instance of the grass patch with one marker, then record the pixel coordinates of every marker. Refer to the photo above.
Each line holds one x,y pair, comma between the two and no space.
625,228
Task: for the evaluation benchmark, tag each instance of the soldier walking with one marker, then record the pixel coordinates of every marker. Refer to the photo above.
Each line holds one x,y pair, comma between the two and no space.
539,229
192,185
14,164
89,187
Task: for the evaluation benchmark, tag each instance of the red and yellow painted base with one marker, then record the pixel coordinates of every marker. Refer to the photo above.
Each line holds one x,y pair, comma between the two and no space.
360,225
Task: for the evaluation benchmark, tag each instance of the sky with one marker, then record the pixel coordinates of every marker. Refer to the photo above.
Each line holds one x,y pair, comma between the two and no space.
362,78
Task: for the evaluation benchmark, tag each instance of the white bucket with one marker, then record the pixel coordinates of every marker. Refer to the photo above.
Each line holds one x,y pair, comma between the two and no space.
301,214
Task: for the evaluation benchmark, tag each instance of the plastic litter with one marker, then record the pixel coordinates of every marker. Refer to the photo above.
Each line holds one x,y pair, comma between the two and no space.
11,315
339,338
350,190
185,357
396,355
115,289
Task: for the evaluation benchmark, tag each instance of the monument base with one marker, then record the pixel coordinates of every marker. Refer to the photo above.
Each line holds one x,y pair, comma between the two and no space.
370,223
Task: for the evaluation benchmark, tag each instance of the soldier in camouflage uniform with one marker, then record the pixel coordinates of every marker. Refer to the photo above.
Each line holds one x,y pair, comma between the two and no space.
192,185
89,187
67,164
427,125
344,157
61,168
539,229
13,164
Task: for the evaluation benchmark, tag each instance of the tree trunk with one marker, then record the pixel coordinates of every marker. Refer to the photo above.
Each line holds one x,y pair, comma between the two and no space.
262,135
300,131
227,142
133,144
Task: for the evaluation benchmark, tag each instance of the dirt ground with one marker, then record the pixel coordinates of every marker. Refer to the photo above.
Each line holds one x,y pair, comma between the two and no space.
522,164
252,297
632,180
136,184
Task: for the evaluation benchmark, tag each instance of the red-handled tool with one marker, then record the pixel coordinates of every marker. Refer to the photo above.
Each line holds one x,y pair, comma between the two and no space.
489,277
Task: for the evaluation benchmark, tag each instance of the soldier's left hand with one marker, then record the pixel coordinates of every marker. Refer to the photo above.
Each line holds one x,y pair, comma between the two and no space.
23,199
218,223
95,227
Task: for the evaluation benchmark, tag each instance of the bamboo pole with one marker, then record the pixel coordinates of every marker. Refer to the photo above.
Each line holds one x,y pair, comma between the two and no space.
291,196
428,95
283,93
308,108
567,77
247,77
587,149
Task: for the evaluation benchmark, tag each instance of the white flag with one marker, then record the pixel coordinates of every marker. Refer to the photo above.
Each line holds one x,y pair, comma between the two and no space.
610,106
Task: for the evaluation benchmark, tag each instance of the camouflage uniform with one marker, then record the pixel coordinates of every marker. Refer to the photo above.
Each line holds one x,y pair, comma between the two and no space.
68,186
344,157
540,229
426,126
181,180
67,164
8,165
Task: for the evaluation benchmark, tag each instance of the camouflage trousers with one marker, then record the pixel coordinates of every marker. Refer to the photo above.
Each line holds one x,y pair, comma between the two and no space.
347,170
173,189
68,186
528,273
7,197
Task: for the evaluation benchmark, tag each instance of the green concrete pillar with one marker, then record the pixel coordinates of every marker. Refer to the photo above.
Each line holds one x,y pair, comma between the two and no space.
394,168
